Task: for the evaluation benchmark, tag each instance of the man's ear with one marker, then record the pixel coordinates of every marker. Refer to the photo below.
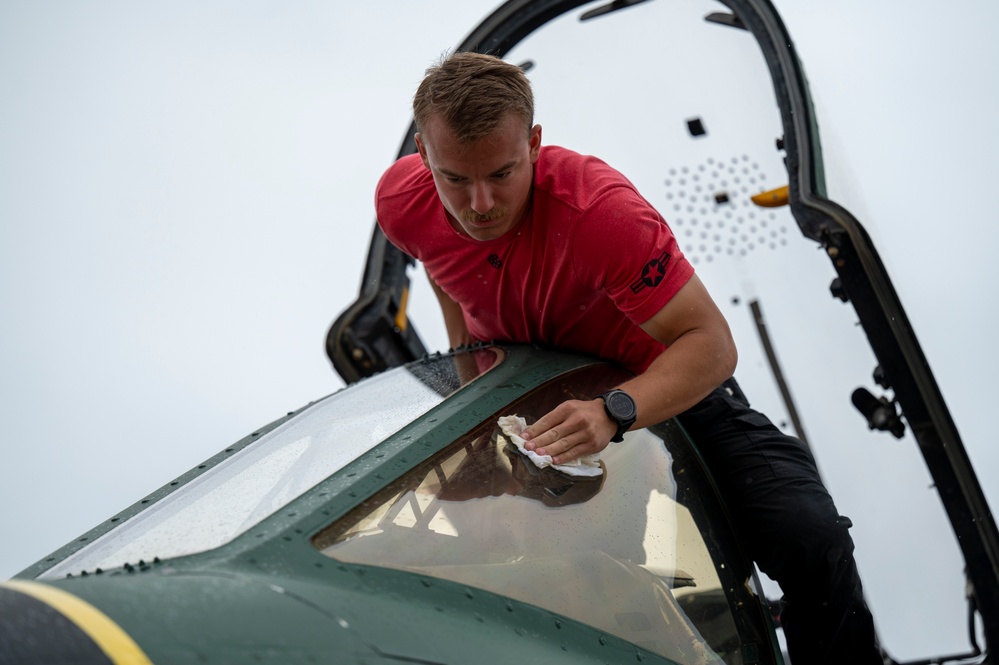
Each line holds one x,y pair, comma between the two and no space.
534,143
422,149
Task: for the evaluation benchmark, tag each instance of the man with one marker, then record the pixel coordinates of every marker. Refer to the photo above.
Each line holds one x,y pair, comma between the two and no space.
524,243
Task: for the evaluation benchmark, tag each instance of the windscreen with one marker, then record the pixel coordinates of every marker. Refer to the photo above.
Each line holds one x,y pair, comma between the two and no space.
266,475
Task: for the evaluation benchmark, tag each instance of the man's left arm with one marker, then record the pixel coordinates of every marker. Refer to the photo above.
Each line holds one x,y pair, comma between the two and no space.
700,355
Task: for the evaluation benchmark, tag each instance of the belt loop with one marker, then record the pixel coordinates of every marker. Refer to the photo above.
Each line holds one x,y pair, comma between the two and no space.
732,387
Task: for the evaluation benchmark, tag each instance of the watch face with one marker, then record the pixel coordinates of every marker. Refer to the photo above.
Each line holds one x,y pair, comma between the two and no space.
621,405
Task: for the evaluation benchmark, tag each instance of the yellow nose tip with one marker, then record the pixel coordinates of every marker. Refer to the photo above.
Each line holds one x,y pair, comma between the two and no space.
115,643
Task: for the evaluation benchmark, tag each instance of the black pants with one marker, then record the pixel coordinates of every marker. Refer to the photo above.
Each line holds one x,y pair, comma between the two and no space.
787,520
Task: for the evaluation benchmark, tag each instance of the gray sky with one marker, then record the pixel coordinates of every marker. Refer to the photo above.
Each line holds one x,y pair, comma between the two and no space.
186,200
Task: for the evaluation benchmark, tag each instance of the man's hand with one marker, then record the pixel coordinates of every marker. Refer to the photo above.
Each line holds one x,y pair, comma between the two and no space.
573,429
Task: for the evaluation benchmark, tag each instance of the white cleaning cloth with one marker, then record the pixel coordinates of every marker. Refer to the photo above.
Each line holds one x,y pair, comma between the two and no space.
587,465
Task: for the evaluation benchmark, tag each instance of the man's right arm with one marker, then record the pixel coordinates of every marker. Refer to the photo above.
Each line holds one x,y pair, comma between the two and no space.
454,319
405,192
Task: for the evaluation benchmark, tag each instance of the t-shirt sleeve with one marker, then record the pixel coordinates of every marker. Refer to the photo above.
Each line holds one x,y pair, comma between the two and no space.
624,247
393,203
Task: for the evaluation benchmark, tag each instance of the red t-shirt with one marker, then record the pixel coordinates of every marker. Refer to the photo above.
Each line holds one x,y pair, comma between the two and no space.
590,261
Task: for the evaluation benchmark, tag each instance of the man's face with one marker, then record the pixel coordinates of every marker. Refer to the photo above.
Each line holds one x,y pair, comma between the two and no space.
485,185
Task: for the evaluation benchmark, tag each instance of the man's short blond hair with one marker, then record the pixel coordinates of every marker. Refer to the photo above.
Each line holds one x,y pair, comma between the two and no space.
472,93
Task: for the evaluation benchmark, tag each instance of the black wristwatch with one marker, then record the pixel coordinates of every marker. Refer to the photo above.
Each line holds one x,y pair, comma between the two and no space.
621,409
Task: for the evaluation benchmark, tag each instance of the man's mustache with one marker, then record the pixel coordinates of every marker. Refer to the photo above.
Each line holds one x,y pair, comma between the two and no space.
472,216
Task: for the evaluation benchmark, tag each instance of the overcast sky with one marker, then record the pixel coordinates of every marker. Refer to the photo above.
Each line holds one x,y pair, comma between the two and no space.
186,200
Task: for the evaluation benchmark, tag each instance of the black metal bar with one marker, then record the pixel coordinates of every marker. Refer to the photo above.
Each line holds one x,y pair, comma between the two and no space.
785,391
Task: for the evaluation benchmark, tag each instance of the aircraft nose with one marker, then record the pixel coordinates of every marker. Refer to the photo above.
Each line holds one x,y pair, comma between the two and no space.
40,624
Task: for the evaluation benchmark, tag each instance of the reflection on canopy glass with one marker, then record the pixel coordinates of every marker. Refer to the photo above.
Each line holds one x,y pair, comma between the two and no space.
617,551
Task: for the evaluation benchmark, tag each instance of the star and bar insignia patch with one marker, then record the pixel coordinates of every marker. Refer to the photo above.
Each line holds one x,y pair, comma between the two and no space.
653,273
